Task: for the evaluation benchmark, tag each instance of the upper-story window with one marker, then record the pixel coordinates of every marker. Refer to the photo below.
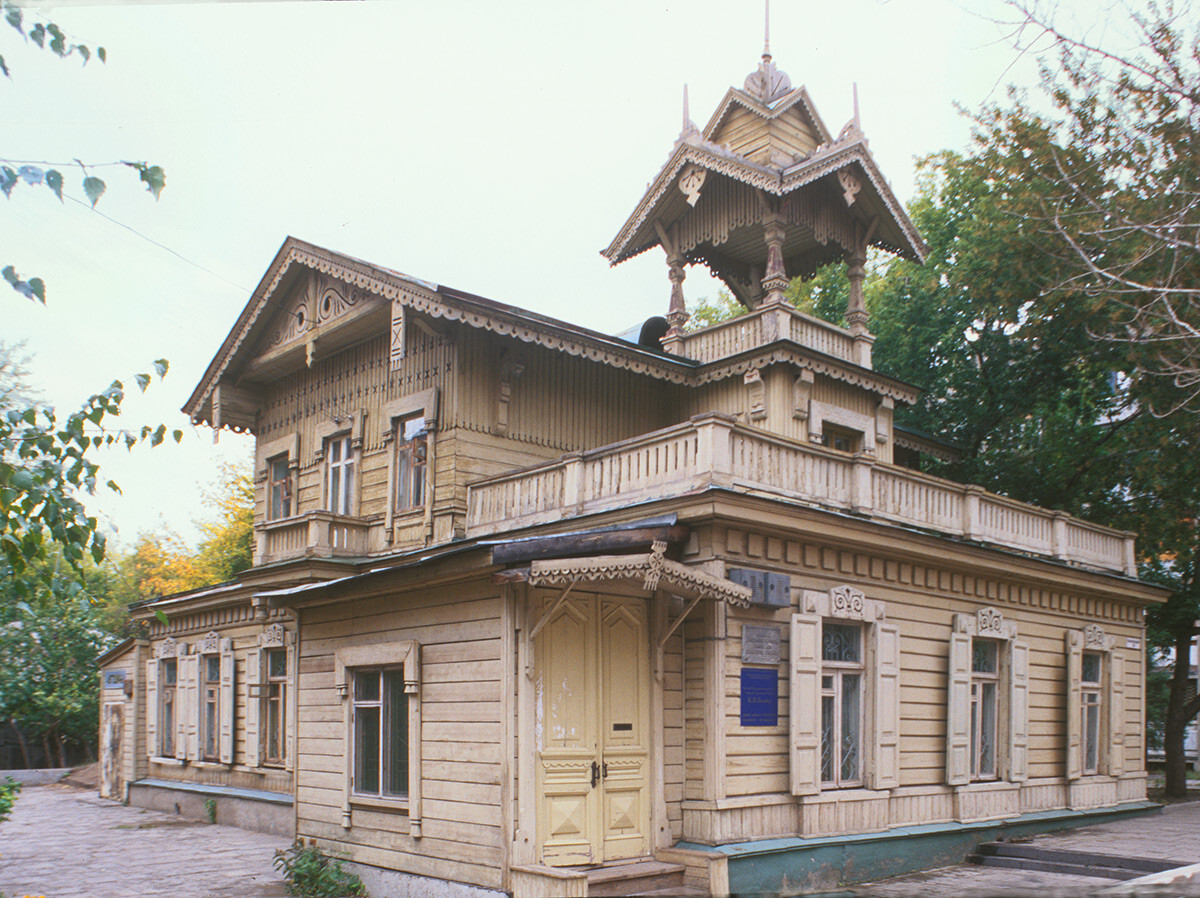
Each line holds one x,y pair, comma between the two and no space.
411,446
339,473
840,438
279,488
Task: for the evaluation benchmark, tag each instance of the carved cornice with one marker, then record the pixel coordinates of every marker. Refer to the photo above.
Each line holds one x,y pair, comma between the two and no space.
653,571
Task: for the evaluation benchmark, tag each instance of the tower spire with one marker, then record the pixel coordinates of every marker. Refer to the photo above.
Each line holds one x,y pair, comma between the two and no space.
766,30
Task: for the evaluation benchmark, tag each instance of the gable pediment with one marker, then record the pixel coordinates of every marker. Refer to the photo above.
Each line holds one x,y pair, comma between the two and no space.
317,314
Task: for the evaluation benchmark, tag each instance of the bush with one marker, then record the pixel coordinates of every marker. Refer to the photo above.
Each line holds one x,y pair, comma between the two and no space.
311,873
8,795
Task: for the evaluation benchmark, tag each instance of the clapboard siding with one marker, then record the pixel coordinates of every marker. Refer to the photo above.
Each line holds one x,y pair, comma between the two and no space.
457,627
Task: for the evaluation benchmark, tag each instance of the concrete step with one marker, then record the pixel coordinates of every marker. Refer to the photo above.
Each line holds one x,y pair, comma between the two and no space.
1023,856
644,877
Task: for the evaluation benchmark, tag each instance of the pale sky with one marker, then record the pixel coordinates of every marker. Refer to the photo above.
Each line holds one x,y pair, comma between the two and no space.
493,147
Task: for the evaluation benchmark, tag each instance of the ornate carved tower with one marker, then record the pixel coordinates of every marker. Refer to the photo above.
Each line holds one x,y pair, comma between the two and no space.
763,194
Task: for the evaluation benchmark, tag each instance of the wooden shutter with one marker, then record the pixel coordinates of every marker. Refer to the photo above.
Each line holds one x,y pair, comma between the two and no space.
1018,707
1116,714
152,708
227,707
885,769
958,711
1074,759
804,704
254,701
290,704
187,708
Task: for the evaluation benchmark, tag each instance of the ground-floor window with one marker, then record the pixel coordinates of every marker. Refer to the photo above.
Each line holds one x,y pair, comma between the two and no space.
841,704
380,733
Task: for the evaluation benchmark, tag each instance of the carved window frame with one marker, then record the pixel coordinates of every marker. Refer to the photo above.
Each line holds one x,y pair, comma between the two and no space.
348,430
1093,639
404,655
880,694
157,733
1012,713
394,414
285,448
275,637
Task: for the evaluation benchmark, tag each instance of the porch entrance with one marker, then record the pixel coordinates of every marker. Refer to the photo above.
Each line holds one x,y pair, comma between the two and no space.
592,695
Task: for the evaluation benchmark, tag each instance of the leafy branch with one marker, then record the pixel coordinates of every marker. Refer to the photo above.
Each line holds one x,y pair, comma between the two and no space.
47,35
45,463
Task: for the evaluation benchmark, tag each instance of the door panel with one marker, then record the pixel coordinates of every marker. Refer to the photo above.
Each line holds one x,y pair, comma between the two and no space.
592,718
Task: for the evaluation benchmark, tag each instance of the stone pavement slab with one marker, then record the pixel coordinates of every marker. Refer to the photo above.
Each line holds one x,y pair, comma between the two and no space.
1172,834
65,842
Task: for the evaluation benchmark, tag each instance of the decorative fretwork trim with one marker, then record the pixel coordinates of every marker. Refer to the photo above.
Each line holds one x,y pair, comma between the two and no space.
653,570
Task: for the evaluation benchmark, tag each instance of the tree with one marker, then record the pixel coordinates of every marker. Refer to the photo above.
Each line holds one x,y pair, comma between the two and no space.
1114,170
1122,197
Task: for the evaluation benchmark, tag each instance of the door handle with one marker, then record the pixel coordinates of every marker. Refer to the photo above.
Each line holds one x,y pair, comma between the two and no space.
604,770
596,774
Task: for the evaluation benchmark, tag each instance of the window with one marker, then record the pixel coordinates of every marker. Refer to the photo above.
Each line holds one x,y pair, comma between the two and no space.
1090,708
841,704
339,474
987,700
275,701
1096,715
210,712
840,438
845,694
279,488
168,678
381,694
985,707
411,446
380,733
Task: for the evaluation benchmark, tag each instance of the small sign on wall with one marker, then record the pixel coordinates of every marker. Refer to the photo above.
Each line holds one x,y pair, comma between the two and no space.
114,679
760,697
767,590
760,645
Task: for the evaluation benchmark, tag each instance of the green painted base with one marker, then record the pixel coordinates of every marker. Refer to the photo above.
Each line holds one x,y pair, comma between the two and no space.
794,866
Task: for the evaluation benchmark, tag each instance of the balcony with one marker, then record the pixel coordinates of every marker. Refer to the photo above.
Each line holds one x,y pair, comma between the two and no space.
714,451
317,534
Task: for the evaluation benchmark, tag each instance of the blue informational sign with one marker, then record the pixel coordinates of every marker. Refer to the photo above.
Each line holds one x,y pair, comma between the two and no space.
760,697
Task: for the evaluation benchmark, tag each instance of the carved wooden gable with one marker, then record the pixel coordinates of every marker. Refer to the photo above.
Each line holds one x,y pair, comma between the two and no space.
777,139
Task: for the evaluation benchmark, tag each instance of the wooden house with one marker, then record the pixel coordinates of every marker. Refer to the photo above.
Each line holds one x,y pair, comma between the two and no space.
536,609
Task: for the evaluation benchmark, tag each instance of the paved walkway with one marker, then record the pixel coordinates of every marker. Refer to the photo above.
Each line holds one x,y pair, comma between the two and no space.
1173,834
66,842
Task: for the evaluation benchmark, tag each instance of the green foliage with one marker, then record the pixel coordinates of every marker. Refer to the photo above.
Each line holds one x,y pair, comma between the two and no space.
311,873
210,809
45,462
49,641
706,312
8,797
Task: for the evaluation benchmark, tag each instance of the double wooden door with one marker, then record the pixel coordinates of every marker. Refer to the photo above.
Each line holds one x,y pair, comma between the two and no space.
592,689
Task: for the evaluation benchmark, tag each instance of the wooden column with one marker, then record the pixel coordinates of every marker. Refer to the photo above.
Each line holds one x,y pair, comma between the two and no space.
856,308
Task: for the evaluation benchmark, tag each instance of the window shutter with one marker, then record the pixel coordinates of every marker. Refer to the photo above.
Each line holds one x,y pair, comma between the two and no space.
885,771
228,703
1116,714
254,665
804,708
1074,759
187,726
958,711
152,708
290,704
1018,705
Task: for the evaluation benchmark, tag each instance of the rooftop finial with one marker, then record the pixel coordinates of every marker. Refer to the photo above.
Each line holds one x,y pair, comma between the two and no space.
857,121
766,30
768,83
689,130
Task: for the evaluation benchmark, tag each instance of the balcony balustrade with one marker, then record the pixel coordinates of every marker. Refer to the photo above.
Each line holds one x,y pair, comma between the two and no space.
317,534
714,451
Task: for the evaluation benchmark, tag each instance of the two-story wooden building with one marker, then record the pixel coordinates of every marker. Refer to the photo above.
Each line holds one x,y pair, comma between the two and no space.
532,604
